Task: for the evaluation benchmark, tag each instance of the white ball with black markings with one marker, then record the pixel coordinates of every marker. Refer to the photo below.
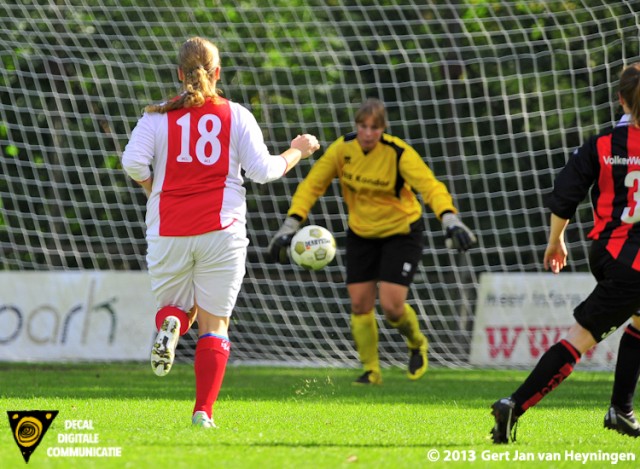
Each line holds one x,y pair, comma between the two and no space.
313,247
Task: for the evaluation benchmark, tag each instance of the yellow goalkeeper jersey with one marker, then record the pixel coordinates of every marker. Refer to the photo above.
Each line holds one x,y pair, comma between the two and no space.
377,187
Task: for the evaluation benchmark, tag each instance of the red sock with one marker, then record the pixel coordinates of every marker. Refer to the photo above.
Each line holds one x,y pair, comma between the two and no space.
212,353
165,311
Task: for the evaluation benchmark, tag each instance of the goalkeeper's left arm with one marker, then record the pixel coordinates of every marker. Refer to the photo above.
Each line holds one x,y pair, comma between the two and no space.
436,195
457,234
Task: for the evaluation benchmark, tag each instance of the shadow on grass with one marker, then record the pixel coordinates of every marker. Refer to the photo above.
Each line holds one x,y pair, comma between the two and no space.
466,388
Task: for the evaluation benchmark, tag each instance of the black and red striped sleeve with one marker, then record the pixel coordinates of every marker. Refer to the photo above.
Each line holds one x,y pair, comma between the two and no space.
574,180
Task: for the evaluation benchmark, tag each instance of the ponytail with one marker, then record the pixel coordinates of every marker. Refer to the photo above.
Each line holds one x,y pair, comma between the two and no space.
199,60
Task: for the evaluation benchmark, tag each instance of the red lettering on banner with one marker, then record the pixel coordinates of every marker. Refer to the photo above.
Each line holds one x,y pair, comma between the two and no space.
541,338
589,353
503,340
502,345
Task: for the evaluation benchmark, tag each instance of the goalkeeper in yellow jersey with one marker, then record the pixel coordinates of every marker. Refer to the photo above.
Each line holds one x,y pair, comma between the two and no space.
378,176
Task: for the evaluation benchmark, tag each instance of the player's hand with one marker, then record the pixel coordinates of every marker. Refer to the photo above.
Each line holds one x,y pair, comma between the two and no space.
279,245
457,234
555,256
306,143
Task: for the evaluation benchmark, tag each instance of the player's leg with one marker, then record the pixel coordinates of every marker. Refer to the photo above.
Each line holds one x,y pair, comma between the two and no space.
555,365
364,329
220,268
210,363
171,323
403,317
171,284
620,416
185,318
400,257
362,256
611,303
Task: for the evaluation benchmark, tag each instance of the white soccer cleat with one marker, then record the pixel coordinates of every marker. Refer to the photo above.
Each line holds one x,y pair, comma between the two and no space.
164,347
201,419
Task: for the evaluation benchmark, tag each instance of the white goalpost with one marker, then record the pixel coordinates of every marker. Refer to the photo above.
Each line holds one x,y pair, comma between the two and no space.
493,95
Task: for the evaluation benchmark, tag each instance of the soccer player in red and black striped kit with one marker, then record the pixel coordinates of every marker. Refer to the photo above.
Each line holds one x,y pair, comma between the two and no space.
607,166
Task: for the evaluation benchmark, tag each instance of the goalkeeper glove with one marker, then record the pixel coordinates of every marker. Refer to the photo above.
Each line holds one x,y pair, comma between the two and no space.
279,245
457,234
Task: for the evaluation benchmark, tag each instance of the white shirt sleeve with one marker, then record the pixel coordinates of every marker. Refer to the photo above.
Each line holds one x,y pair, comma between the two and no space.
259,165
624,120
138,154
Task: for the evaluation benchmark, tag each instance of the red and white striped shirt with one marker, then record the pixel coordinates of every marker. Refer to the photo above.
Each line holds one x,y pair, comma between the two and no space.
197,154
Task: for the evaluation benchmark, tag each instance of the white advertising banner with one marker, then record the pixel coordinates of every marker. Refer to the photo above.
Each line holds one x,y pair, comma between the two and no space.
520,315
74,316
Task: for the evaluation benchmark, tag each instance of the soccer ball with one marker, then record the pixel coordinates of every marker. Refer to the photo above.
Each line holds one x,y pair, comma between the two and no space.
313,247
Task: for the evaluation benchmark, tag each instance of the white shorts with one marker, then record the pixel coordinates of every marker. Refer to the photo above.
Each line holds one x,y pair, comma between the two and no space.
206,270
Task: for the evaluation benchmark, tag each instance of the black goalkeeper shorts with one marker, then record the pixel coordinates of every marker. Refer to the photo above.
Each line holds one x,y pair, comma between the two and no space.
394,259
614,299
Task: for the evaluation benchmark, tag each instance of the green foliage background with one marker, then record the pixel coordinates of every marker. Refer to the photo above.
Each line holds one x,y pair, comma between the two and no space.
493,94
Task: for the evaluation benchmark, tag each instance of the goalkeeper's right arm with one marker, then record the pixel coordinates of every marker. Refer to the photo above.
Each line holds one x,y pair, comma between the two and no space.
308,191
281,241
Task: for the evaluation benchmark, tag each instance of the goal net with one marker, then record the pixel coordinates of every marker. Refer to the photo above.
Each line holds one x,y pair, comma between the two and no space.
493,95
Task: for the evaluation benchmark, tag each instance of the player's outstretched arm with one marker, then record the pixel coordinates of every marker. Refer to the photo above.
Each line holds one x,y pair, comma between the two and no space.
457,234
303,146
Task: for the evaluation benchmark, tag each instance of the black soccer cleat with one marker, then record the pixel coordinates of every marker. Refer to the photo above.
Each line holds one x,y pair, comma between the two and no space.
418,362
504,429
622,422
369,377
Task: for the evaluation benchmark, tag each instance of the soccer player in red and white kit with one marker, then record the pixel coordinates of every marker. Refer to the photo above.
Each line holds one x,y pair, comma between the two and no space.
197,144
608,167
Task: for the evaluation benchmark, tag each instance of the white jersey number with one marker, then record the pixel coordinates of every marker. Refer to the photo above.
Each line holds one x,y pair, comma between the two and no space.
632,214
207,146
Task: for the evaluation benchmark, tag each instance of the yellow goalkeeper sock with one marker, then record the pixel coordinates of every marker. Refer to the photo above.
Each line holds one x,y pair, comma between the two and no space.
408,326
364,329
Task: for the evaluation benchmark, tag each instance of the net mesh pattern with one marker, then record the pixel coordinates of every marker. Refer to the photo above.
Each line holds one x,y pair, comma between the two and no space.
493,95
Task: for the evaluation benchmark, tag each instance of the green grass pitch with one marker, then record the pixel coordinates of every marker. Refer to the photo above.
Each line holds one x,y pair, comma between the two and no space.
305,418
